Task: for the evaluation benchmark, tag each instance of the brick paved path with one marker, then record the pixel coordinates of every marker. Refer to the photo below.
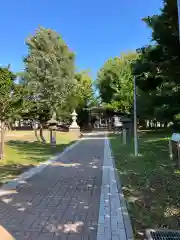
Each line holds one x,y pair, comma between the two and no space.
62,201
78,197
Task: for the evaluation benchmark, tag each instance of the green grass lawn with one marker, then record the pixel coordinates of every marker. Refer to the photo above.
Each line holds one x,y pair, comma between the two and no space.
151,183
22,151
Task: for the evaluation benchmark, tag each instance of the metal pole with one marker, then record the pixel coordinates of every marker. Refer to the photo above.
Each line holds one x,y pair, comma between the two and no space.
178,6
135,121
178,160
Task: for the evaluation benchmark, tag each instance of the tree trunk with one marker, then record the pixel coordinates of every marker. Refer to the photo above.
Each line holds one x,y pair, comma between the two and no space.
2,141
9,126
35,131
36,134
41,133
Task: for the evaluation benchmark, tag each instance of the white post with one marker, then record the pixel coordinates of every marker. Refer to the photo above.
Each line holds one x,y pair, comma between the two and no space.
170,150
135,121
124,136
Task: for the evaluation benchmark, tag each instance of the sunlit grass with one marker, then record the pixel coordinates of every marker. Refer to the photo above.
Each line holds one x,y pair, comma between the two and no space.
22,151
151,183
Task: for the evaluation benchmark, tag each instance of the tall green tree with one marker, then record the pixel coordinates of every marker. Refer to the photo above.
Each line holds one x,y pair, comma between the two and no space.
84,96
11,101
49,71
158,67
84,88
115,83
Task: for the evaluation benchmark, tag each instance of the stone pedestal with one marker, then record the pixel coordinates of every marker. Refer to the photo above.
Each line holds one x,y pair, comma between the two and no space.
52,128
52,136
74,127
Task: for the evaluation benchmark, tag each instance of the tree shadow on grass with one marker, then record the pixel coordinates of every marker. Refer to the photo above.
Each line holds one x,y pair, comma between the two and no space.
150,183
37,149
27,155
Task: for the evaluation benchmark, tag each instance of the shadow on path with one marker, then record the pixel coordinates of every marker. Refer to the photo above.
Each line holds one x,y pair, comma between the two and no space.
62,201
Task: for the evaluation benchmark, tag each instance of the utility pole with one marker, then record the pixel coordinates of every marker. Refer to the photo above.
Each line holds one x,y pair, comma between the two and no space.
135,121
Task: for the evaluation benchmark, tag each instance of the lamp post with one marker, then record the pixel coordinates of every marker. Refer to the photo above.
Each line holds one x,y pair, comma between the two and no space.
178,6
135,121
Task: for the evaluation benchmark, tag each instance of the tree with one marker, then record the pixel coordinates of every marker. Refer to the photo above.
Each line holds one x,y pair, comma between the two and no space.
49,72
84,90
158,68
11,100
84,96
115,83
148,78
81,97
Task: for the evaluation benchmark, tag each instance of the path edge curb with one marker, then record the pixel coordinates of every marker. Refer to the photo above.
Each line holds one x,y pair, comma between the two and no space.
127,220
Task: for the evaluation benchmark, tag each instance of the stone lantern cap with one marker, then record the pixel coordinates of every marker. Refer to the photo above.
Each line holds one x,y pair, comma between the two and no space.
52,122
74,113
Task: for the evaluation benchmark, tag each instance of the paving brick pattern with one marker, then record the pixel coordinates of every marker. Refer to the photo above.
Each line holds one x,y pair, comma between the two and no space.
62,201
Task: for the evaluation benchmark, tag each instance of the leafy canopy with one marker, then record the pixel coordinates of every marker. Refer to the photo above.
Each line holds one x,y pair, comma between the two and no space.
82,96
49,70
11,97
158,67
115,83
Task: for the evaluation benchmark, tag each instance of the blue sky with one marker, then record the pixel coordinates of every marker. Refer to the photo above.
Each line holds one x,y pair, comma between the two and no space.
95,30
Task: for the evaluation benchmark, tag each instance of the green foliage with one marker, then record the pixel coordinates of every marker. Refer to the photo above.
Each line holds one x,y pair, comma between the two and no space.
49,71
115,83
158,67
81,96
84,90
11,97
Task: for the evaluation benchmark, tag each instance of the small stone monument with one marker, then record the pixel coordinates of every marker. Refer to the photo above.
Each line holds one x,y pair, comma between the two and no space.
74,127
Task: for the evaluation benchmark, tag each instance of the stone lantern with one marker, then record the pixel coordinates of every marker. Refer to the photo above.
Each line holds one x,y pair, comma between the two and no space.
52,123
74,126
